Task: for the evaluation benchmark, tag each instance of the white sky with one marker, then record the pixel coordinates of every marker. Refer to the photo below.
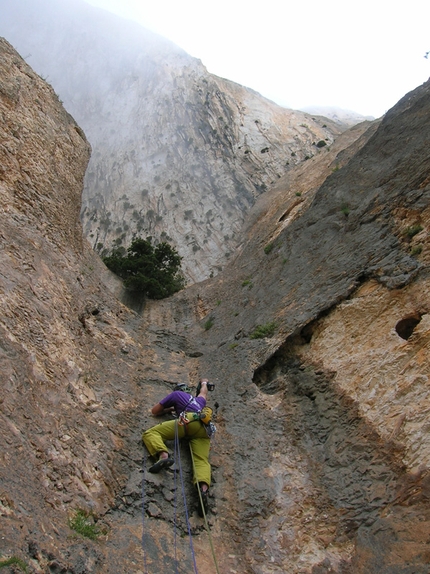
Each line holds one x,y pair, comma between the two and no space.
360,56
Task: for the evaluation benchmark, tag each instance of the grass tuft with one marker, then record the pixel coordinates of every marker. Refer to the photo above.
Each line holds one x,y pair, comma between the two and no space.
14,561
83,523
269,248
413,230
262,331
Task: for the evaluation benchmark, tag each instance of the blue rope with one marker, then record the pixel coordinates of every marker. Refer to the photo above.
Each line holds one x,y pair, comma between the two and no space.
185,500
145,567
205,517
175,481
177,458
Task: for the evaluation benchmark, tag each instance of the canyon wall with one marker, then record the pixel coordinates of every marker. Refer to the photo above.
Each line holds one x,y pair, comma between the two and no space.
323,454
178,154
320,459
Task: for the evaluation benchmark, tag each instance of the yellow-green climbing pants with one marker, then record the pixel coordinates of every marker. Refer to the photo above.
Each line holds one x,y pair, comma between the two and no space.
199,443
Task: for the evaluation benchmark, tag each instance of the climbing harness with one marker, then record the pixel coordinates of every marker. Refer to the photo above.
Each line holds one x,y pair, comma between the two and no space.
182,417
204,416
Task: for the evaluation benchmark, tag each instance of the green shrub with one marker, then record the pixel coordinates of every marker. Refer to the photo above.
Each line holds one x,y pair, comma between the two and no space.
269,248
262,331
14,561
345,209
413,230
321,143
209,323
248,283
416,250
83,523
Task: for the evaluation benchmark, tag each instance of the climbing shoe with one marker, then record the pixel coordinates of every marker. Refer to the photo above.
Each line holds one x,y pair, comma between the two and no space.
202,510
160,464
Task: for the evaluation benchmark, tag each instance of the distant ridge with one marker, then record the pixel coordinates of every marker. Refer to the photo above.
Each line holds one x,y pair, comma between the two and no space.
338,115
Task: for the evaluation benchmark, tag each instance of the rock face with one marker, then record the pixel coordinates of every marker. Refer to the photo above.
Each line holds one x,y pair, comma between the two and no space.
55,443
178,154
331,473
321,456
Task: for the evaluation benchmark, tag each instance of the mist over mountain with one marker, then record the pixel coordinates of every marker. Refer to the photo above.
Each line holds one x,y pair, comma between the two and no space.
177,153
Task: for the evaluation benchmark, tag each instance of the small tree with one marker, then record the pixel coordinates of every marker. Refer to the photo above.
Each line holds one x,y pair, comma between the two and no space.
153,271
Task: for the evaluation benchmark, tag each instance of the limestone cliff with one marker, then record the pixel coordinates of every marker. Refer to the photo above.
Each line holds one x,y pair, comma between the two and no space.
322,451
178,154
331,469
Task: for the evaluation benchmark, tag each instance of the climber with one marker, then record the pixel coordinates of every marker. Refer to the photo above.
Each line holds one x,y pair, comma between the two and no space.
189,425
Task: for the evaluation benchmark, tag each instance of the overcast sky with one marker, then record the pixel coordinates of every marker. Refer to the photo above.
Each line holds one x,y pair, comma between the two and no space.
360,56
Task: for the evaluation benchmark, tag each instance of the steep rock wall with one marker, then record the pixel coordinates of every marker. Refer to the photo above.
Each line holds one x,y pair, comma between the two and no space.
78,370
64,405
321,455
323,425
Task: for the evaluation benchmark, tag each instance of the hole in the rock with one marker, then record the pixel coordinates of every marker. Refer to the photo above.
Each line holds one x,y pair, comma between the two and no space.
405,327
267,377
307,332
289,210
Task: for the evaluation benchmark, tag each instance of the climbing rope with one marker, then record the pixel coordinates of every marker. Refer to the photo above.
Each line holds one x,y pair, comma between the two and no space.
145,567
178,452
175,514
177,459
204,515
